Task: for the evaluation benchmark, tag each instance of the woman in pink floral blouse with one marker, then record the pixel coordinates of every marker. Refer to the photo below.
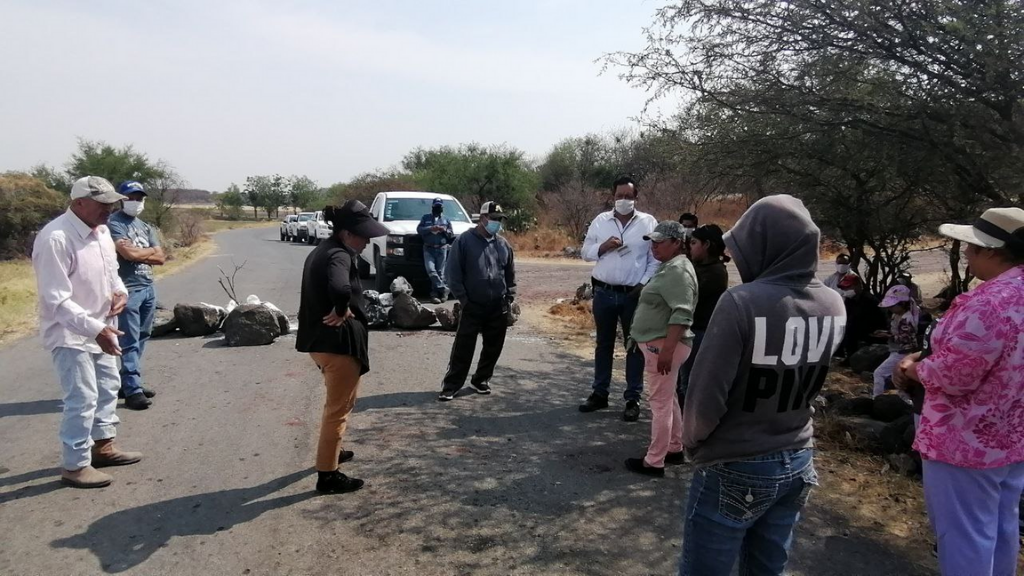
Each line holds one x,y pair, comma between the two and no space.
971,435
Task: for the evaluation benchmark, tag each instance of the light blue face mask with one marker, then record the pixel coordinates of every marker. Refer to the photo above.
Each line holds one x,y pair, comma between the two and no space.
493,227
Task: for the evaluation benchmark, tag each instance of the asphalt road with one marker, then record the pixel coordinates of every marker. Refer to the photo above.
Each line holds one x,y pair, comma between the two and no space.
518,482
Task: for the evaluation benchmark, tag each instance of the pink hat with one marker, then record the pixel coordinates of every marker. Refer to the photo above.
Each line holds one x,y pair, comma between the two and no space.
895,295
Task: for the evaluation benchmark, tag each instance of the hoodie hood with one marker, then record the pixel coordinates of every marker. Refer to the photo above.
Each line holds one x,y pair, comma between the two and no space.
775,239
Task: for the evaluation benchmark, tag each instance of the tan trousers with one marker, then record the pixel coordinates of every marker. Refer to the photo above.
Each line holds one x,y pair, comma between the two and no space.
341,378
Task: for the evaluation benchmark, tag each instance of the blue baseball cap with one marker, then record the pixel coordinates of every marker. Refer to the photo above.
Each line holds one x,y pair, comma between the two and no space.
438,202
131,187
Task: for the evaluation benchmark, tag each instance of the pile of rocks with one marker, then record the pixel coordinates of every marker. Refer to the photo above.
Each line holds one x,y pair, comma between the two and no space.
254,323
883,425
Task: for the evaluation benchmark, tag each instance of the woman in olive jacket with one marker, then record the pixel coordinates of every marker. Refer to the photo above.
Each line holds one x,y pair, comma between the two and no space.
707,252
332,330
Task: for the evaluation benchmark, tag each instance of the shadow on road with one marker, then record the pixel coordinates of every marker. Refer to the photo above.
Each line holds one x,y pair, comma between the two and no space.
32,408
127,538
521,482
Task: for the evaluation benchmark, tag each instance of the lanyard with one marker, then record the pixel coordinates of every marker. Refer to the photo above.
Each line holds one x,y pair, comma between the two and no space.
622,229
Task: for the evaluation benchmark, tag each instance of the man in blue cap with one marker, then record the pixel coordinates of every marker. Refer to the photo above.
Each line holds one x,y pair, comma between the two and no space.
138,250
437,234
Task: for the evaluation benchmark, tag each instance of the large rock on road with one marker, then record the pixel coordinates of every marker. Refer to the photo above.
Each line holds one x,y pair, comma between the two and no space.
197,319
251,325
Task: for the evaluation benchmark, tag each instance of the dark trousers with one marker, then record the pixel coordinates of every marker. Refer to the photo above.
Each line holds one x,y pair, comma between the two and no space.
613,310
477,319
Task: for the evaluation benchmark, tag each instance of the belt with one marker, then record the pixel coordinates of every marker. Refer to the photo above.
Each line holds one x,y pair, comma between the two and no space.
605,286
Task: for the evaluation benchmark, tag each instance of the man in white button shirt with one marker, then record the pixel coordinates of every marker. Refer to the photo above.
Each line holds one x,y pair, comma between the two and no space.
615,240
80,296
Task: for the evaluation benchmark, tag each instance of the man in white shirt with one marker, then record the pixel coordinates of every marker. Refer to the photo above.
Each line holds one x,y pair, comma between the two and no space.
615,241
80,296
842,269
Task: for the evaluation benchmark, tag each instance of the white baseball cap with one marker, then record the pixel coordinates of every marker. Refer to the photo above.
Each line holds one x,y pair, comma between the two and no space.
99,189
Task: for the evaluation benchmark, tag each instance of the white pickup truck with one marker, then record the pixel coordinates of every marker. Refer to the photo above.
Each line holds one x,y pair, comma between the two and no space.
319,228
400,253
298,229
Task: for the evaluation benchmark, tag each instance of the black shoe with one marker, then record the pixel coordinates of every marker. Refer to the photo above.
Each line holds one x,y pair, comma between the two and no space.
594,402
137,401
675,458
345,456
337,483
632,411
637,465
149,393
447,395
481,387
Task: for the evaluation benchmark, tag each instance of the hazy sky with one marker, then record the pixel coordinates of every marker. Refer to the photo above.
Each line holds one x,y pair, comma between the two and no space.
228,88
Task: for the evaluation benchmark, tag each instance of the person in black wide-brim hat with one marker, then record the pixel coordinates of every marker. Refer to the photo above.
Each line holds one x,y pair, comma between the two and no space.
333,330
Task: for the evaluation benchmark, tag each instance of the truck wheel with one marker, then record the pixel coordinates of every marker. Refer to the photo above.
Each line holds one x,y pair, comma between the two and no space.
283,236
311,239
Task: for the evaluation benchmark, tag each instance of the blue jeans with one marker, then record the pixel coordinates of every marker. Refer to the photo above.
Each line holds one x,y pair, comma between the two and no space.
435,258
136,321
684,373
612,309
746,509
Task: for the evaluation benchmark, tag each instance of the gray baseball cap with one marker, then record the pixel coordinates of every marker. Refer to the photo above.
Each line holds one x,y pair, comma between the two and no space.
99,189
665,230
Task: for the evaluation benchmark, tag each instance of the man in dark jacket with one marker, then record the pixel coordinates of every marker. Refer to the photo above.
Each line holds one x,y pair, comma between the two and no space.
436,231
482,276
747,421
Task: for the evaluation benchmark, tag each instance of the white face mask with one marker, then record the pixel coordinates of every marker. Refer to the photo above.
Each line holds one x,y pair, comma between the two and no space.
134,207
842,268
624,207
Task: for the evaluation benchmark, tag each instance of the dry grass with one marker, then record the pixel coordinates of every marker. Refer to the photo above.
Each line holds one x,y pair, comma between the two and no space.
18,316
17,299
541,242
214,226
579,316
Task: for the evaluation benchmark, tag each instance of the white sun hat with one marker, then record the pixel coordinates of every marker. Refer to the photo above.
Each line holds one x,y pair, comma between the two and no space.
993,230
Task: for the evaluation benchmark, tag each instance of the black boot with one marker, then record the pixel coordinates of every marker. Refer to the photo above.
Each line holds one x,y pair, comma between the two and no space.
594,402
336,483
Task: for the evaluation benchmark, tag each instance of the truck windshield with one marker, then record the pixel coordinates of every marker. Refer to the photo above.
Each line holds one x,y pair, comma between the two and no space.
304,217
415,208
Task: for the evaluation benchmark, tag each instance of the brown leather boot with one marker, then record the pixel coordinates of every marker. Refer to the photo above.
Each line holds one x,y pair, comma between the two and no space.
104,453
87,477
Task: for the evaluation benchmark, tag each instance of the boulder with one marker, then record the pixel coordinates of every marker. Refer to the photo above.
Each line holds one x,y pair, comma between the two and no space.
904,464
859,406
401,286
197,319
376,310
571,252
163,324
868,358
408,313
832,397
889,408
865,432
251,325
282,318
910,434
446,318
892,438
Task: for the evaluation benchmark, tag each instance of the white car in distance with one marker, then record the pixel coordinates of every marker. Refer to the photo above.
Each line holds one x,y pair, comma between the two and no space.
298,229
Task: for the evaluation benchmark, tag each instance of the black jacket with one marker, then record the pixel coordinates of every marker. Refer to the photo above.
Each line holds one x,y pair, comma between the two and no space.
330,281
712,282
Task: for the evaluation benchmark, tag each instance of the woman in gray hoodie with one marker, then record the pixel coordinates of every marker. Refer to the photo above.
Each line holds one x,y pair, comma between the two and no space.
747,417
